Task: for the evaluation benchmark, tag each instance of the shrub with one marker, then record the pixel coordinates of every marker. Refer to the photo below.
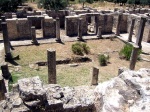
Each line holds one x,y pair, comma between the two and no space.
103,59
79,48
86,48
126,51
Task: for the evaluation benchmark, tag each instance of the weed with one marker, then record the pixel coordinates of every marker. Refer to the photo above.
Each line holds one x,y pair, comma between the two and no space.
103,59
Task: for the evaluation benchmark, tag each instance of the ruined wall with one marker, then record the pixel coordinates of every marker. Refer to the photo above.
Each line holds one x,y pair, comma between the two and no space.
24,28
71,25
61,14
49,27
36,21
80,11
124,23
84,23
106,22
146,35
12,28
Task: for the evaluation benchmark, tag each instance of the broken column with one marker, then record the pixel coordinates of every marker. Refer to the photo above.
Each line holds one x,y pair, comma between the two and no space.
134,56
95,72
58,30
140,32
131,30
6,41
99,33
2,88
51,60
5,72
118,24
80,29
33,35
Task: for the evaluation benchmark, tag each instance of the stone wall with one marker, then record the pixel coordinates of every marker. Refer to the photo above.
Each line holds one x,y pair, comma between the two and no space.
106,22
12,28
124,23
61,14
146,35
71,25
24,28
36,21
84,23
49,27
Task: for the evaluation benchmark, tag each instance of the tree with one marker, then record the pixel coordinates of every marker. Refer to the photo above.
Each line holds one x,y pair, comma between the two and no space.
10,5
53,4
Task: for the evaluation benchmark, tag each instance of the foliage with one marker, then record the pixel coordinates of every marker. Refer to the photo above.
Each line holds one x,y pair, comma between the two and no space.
10,5
79,48
53,4
103,59
126,51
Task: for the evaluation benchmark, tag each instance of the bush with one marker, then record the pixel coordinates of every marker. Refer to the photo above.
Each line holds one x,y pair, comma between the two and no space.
103,59
86,48
126,51
79,48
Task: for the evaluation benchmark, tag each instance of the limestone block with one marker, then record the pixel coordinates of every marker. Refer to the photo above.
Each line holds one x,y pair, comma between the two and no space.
49,27
12,28
24,28
31,89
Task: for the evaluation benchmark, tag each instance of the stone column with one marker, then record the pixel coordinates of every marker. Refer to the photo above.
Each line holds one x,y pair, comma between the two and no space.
140,32
51,60
131,30
2,88
118,24
3,18
58,30
99,33
134,57
6,40
33,35
5,72
95,72
80,29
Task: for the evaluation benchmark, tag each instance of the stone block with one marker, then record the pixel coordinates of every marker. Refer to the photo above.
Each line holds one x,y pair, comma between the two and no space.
60,13
12,28
31,89
123,23
71,25
49,27
84,23
146,35
24,29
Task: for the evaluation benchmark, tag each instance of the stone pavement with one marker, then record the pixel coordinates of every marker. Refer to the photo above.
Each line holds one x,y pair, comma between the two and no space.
145,45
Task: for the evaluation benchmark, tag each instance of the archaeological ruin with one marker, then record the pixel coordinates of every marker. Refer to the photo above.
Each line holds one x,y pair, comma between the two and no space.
127,92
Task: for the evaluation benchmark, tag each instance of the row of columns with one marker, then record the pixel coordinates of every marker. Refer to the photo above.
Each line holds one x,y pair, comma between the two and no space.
138,45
